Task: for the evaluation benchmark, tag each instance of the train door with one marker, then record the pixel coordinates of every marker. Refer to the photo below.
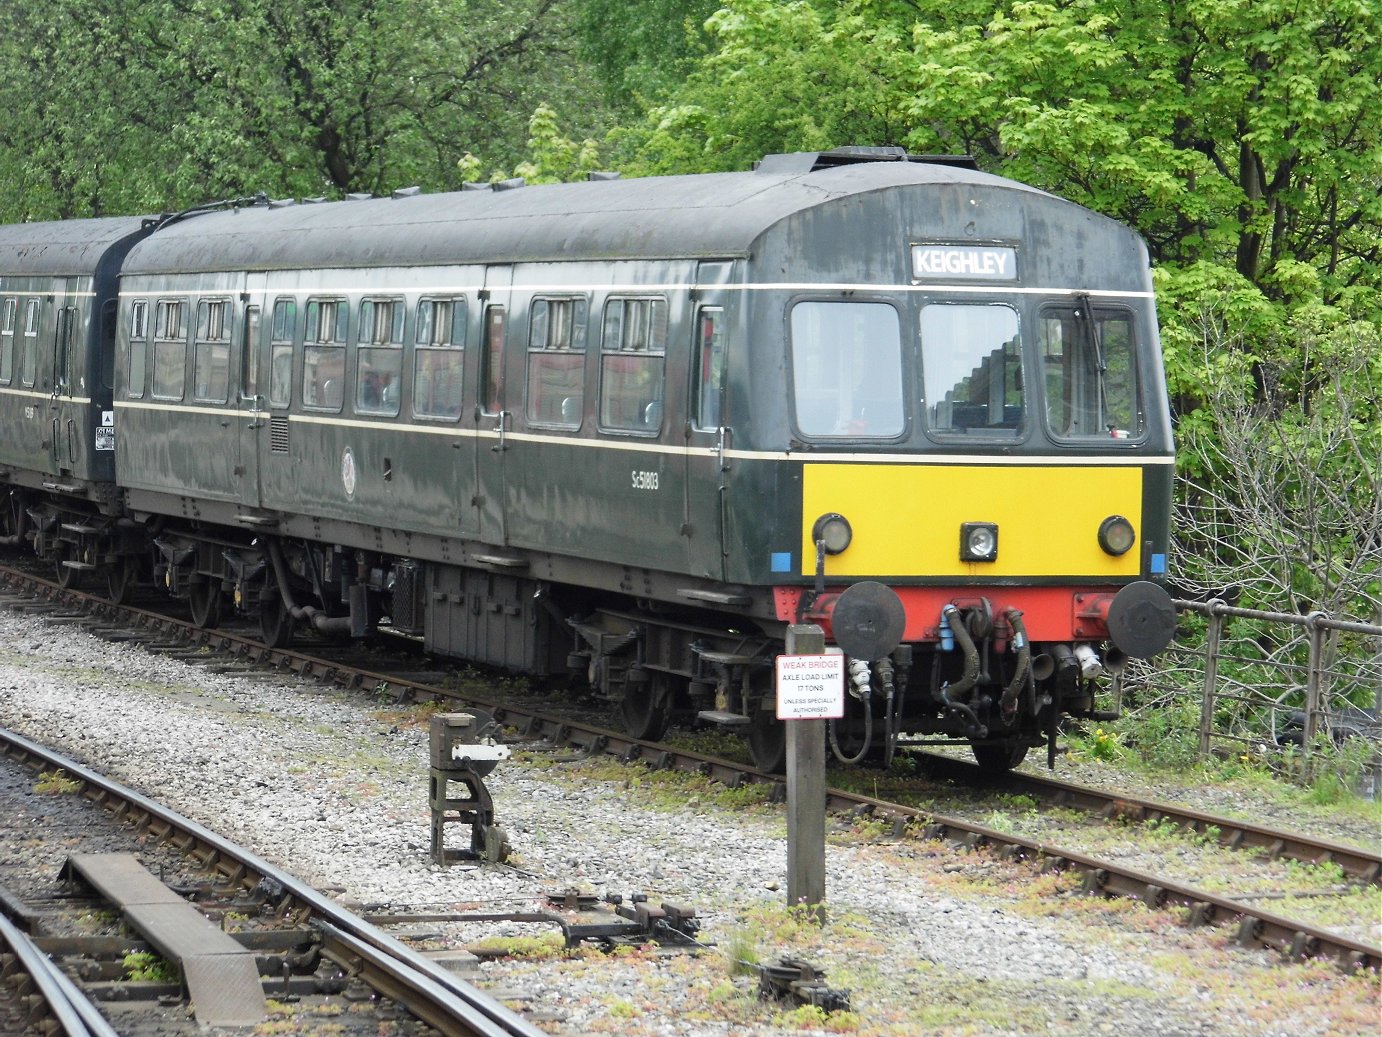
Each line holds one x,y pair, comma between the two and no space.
493,413
67,383
708,434
252,417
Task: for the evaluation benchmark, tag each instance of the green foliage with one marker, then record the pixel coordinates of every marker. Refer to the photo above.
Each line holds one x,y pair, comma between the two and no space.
1099,744
56,783
176,103
145,967
1244,136
641,50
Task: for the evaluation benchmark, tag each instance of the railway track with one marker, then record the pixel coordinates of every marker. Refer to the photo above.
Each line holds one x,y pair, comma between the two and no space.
1254,925
312,942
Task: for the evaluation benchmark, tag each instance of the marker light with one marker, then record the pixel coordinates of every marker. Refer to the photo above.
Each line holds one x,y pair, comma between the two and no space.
1116,535
832,532
978,541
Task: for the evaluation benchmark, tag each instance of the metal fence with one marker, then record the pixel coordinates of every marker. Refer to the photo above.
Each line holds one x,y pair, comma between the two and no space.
1271,679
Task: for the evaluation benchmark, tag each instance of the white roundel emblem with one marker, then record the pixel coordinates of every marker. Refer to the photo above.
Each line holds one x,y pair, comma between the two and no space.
348,471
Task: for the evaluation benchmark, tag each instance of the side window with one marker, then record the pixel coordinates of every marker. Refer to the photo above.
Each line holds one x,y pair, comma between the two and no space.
632,348
971,365
9,310
170,350
439,358
380,356
323,353
708,389
28,372
283,332
492,361
139,349
211,358
556,362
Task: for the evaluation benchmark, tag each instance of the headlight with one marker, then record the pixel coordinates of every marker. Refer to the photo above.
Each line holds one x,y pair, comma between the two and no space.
1116,535
978,541
832,532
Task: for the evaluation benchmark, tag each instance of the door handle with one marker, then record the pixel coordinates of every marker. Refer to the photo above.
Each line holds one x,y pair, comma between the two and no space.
501,428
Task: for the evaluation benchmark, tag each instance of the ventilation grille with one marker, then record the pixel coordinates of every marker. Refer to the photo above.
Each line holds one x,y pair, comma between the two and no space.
278,435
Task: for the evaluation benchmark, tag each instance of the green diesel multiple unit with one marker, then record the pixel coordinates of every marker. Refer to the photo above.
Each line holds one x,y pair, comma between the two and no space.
633,429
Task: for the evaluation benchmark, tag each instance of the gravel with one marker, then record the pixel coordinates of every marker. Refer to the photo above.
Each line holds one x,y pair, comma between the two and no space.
922,936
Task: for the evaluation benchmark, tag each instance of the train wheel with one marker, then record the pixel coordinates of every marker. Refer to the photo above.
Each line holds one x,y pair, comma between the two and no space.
121,576
768,741
12,516
999,759
275,621
68,577
646,707
205,601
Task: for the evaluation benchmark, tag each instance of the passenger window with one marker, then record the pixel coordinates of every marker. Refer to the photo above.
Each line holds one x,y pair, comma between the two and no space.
380,357
1089,373
139,348
709,386
847,370
170,350
439,358
28,372
323,354
556,362
971,362
211,355
9,310
632,349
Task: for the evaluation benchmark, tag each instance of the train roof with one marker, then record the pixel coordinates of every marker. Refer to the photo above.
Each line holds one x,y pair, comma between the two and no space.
62,247
710,215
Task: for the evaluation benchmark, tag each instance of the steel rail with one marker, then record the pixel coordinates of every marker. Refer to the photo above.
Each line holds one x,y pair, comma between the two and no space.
67,1006
452,1006
1361,865
1109,878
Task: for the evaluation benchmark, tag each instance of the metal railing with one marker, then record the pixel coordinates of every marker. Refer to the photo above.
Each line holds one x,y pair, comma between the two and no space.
1270,678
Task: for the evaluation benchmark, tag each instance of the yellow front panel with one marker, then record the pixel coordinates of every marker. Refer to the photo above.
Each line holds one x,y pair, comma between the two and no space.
906,518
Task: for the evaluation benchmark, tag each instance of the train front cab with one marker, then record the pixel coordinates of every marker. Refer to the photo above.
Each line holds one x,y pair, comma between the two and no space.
984,485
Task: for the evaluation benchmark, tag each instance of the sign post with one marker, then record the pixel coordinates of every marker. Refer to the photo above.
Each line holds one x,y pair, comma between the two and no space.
810,690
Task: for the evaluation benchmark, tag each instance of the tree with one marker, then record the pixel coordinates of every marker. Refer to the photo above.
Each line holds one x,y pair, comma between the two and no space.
641,50
118,107
1247,135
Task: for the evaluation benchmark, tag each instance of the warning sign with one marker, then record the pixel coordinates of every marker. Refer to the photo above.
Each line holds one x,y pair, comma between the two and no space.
810,687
